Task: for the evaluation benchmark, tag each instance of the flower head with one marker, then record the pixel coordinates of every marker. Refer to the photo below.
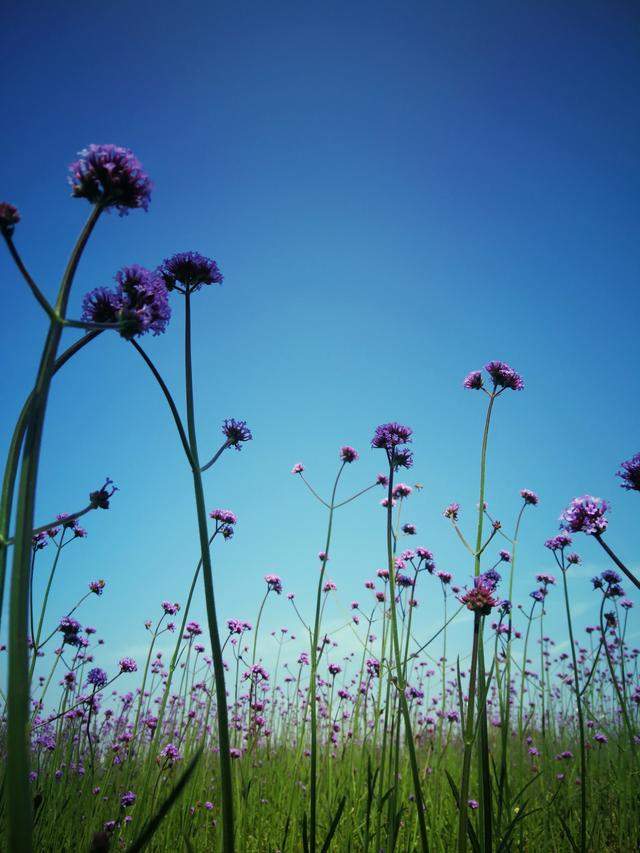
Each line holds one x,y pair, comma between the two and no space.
139,303
473,381
236,432
630,473
274,582
558,543
529,497
127,799
452,511
127,665
298,468
585,515
191,270
97,677
348,454
480,598
110,176
97,587
504,376
9,218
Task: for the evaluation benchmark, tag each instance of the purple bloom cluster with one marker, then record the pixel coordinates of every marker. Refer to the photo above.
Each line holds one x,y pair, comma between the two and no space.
138,304
348,454
110,176
236,432
274,583
97,677
501,374
389,437
630,473
585,515
9,218
191,270
529,497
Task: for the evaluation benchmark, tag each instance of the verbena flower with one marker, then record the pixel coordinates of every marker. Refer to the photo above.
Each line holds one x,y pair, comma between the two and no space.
110,176
138,304
127,665
348,454
191,270
585,514
236,432
389,436
452,511
97,587
97,677
224,516
9,218
473,381
558,543
127,799
630,473
529,497
504,376
274,582
298,468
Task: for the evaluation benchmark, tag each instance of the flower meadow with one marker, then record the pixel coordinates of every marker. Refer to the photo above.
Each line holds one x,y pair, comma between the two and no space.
526,741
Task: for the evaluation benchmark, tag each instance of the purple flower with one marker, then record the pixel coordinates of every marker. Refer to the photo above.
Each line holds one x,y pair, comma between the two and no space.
348,454
452,511
445,577
171,753
473,804
382,480
505,556
630,473
193,629
127,665
70,628
111,177
97,586
139,303
298,468
170,608
224,516
238,626
585,515
97,677
236,432
529,497
473,381
389,436
409,529
504,376
9,218
480,598
558,543
547,580
273,583
127,799
191,270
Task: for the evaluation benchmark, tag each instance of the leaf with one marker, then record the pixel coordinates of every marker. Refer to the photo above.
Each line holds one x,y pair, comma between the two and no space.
334,825
473,838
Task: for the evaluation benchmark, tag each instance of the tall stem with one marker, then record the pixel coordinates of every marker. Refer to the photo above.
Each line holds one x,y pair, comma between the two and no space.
468,740
216,650
18,794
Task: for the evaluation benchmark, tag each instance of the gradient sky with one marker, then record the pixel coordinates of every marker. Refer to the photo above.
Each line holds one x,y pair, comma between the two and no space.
396,194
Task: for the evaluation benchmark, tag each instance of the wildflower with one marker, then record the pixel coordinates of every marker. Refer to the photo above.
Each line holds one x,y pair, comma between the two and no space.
39,541
573,559
558,543
224,516
70,628
381,480
401,490
171,753
505,556
191,270
504,376
169,608
127,799
298,468
236,432
238,626
127,665
139,303
193,629
97,586
473,804
547,580
9,218
529,497
402,458
111,177
348,454
335,669
97,677
385,502
445,577
630,472
600,737
273,583
585,515
389,436
452,511
409,529
234,752
329,587
480,598
473,381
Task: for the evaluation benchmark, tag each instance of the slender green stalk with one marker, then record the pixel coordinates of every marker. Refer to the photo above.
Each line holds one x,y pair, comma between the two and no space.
216,651
583,750
18,795
468,740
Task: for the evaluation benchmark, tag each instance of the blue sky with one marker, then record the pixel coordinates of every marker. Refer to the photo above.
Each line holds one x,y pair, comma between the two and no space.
395,195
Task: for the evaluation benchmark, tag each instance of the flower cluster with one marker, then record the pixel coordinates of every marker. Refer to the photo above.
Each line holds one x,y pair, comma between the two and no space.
111,177
585,515
501,374
9,218
630,473
138,304
236,432
191,270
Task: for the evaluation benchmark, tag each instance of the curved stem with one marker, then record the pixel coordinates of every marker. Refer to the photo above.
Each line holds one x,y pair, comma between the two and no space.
215,457
42,300
19,797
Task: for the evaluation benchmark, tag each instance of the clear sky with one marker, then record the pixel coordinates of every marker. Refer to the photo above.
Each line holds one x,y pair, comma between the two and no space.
396,194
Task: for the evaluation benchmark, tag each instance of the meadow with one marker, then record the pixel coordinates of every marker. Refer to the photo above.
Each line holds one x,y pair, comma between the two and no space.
401,745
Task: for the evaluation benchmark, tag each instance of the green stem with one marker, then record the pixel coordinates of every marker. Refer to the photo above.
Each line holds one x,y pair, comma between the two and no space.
18,795
216,651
